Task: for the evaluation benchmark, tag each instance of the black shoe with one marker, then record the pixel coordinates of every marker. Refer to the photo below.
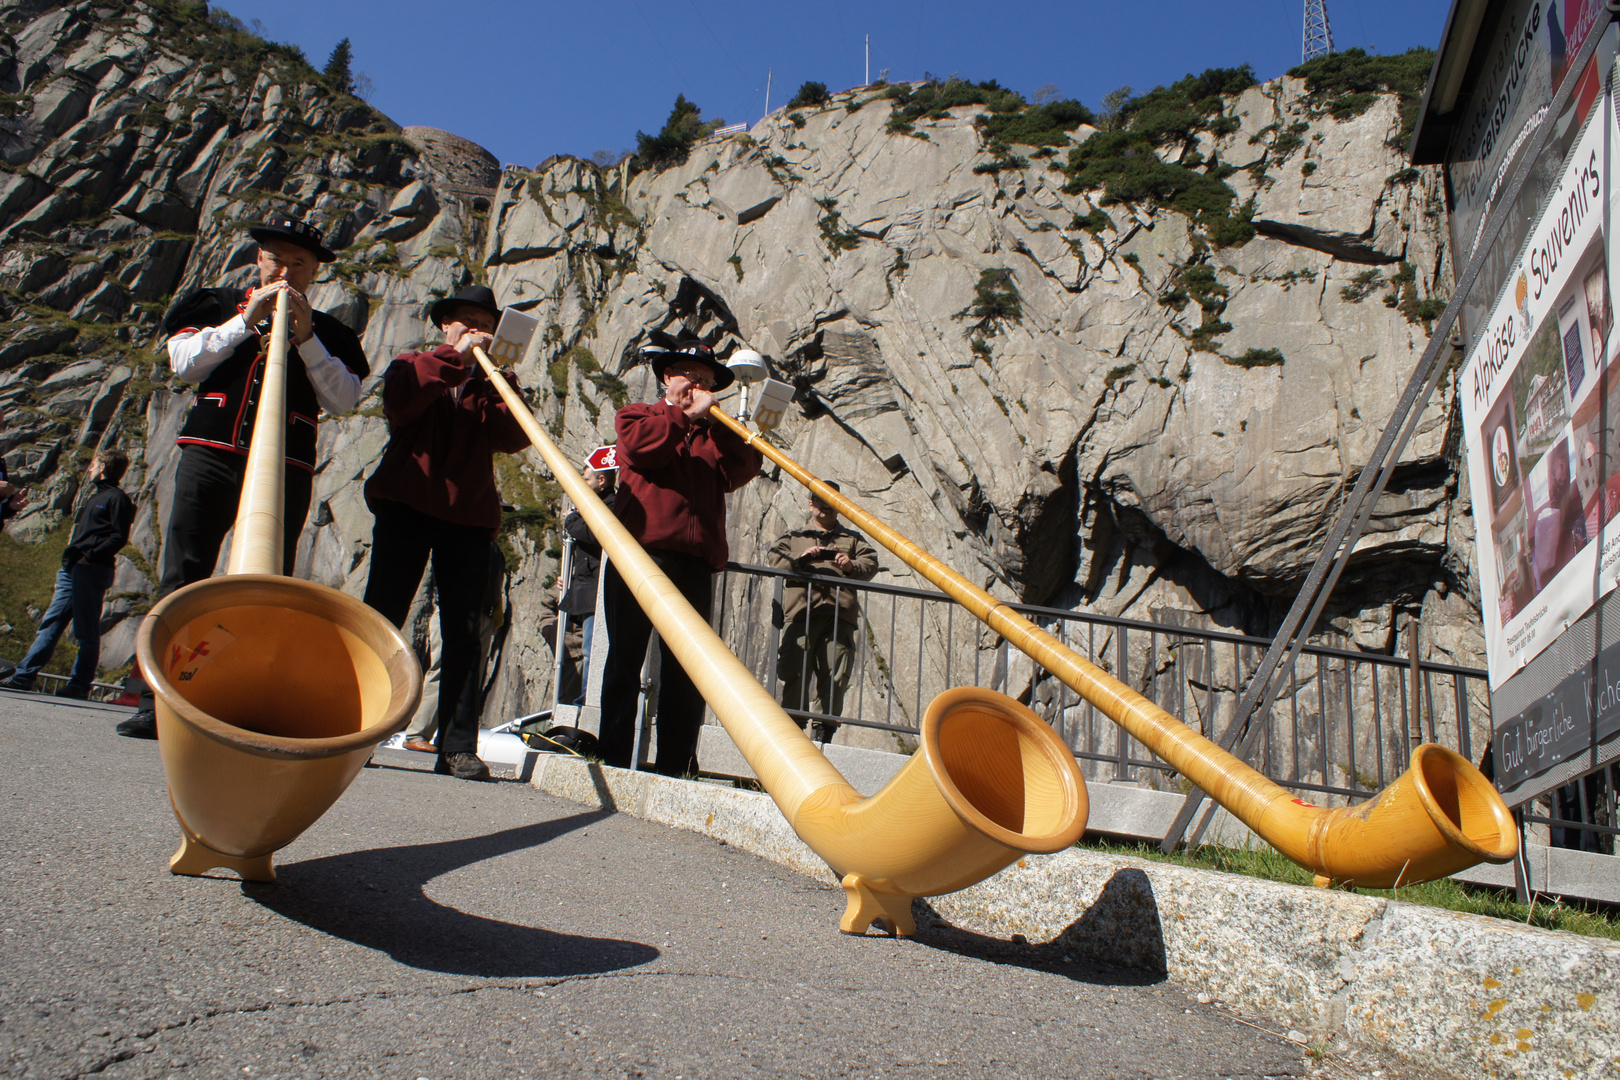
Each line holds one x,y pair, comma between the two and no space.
17,682
75,693
462,766
143,725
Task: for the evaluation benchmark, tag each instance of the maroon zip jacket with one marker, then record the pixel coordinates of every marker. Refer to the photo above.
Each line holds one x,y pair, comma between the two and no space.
674,474
444,426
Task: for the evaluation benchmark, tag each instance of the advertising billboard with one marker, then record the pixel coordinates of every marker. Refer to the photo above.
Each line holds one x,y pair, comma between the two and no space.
1539,411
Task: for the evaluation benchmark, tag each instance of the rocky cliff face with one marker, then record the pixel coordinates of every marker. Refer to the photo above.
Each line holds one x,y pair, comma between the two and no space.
1074,404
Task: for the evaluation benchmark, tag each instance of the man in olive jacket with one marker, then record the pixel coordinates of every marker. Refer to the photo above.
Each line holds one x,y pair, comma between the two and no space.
819,620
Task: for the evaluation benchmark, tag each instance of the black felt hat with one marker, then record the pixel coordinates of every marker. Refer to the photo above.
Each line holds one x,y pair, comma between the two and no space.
293,231
665,349
478,296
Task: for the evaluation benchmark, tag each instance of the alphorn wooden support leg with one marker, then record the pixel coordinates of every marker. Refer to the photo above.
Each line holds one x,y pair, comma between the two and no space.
870,900
196,858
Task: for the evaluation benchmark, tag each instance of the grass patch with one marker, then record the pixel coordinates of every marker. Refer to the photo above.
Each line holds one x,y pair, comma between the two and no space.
1257,358
1270,865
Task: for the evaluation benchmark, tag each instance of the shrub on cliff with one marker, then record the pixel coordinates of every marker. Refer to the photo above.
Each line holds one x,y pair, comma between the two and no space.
933,98
810,95
1125,162
1345,84
673,143
1037,125
1192,103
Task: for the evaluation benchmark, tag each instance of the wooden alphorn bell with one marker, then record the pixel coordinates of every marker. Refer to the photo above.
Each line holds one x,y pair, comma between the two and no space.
271,693
990,783
1438,817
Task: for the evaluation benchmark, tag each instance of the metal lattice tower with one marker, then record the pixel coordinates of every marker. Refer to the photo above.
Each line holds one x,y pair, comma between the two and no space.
1318,31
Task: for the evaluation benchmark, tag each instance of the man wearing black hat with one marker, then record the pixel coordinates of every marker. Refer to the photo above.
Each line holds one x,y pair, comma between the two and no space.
676,466
434,496
216,340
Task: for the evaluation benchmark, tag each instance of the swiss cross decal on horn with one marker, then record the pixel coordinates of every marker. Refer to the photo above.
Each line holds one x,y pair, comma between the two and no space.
512,337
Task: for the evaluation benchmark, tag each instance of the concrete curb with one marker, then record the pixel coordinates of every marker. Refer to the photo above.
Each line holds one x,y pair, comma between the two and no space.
1467,994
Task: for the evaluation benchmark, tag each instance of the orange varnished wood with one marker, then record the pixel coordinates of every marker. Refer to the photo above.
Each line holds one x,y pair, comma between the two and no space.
256,543
990,783
271,693
1441,816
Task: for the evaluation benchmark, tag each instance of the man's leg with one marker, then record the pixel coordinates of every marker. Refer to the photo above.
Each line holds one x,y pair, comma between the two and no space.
790,665
628,630
90,584
51,625
840,657
425,724
459,571
295,495
680,705
207,487
399,555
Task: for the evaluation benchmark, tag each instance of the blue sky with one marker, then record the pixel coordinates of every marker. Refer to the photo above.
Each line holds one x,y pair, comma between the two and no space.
527,80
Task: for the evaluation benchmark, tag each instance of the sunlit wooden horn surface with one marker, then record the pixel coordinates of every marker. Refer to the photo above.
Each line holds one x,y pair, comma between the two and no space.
1439,817
271,693
990,784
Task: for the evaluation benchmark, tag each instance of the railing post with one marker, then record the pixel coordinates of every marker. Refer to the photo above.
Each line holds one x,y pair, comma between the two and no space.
1414,723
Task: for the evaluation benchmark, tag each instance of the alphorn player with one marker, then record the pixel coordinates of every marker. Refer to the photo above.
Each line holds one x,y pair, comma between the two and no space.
216,339
434,497
676,466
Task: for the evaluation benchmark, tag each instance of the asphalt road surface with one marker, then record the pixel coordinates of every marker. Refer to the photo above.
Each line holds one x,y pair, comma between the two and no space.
431,927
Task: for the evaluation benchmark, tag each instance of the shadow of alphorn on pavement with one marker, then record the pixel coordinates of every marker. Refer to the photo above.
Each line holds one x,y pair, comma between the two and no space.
378,898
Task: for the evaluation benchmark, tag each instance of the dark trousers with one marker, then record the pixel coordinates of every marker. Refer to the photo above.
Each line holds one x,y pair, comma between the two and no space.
207,487
680,706
402,541
77,600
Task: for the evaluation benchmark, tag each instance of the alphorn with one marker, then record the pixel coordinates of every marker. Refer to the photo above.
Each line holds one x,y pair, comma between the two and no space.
990,783
1438,817
270,693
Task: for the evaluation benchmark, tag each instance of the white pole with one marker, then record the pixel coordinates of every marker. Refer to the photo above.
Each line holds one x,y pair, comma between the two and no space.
868,81
768,73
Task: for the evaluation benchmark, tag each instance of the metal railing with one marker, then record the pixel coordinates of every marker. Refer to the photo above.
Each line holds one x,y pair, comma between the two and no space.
1342,726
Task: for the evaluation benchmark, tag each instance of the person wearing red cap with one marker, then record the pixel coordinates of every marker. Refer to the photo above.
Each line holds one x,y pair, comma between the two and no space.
216,341
676,467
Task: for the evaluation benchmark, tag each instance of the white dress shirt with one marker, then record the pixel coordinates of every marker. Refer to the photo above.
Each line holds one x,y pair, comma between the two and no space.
195,354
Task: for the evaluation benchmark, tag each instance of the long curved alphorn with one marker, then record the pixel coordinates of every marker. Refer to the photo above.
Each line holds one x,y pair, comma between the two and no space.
271,693
1438,817
990,783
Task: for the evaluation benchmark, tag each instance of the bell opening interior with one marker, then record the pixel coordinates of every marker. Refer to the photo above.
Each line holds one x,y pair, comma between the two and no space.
1002,770
278,671
1467,800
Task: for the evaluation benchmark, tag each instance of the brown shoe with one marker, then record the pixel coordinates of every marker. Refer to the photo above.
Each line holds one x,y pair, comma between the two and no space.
421,746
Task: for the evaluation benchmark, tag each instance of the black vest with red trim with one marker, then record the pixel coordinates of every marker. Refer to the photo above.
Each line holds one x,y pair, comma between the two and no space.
222,415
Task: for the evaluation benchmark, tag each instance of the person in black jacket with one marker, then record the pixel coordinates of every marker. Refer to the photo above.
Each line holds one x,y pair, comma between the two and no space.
216,340
87,573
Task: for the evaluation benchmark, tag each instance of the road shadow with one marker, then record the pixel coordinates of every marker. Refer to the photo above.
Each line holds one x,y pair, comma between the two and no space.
1118,941
377,898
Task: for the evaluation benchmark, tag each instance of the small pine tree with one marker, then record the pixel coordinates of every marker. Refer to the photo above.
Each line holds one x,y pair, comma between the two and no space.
810,95
671,145
338,75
